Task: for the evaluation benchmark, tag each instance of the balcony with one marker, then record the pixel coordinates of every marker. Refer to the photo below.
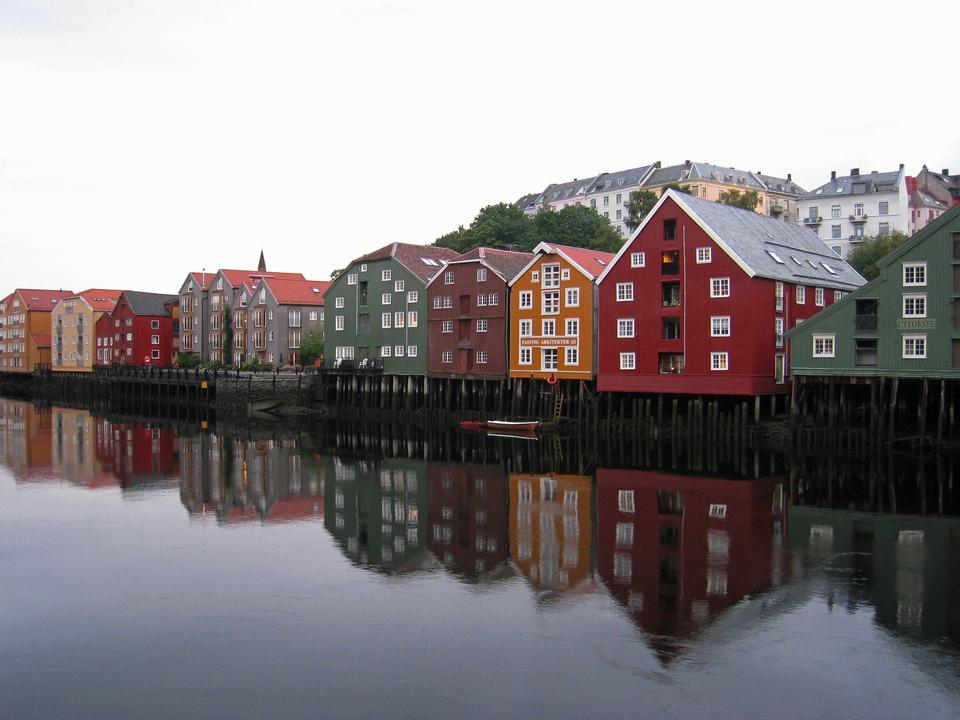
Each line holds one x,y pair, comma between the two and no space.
858,218
812,221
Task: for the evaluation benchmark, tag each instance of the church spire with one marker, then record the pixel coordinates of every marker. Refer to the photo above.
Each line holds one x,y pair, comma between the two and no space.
262,267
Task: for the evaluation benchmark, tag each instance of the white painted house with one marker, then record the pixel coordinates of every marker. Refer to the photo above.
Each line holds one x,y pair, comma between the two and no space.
849,209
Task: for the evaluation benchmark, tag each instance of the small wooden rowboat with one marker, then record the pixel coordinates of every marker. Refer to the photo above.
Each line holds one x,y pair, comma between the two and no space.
513,425
473,424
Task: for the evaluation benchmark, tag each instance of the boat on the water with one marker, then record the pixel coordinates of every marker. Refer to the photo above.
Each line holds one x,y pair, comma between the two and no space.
473,424
513,425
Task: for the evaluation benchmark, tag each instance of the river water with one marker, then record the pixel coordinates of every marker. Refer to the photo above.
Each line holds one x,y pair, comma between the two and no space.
153,571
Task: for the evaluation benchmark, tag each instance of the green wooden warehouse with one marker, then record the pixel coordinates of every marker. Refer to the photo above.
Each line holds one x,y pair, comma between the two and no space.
376,309
888,354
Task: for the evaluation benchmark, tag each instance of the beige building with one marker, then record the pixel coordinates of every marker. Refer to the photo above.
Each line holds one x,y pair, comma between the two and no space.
73,328
25,328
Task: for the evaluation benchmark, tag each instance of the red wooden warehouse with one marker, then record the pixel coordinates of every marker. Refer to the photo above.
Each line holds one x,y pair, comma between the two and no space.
144,329
698,299
467,314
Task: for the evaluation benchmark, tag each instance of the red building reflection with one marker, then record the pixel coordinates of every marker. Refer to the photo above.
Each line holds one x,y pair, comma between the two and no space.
678,551
467,514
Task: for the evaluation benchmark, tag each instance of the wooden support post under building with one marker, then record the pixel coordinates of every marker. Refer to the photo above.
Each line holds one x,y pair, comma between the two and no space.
941,410
922,409
893,405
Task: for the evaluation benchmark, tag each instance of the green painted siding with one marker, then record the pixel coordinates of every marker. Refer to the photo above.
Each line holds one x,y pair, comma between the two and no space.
850,322
363,320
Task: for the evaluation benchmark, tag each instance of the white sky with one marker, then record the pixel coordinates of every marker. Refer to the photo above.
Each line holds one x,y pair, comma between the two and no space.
142,139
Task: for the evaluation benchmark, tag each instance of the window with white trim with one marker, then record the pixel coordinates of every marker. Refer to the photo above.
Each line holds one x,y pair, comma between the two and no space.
914,273
446,356
386,319
448,277
704,255
778,331
625,327
352,279
386,351
413,296
549,328
720,326
624,292
446,326
818,297
411,350
628,361
481,357
551,276
154,339
481,326
386,298
837,295
338,302
719,287
412,318
526,299
551,302
526,328
719,361
481,277
398,350
572,328
548,359
493,299
399,318
801,295
385,275
526,356
437,302
914,347
823,346
638,260
565,274
572,297
535,276
571,356
915,306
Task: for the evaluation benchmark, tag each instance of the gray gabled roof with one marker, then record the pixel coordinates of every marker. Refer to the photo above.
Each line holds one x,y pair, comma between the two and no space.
781,185
691,171
874,182
620,179
145,303
558,192
772,248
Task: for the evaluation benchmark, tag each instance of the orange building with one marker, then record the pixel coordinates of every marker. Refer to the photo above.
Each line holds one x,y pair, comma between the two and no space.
553,303
25,328
551,532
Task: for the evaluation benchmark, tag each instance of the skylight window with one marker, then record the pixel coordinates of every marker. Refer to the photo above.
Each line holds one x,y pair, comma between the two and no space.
429,261
600,261
820,191
776,258
794,258
812,264
828,268
840,189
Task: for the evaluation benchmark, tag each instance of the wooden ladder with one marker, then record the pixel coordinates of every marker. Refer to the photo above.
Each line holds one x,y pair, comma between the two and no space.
557,406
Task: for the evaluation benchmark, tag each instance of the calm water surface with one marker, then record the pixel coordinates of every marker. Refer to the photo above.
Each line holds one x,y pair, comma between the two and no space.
153,572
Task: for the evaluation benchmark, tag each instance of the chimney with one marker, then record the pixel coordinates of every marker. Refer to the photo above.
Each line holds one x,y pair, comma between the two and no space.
855,172
833,174
789,177
873,172
945,171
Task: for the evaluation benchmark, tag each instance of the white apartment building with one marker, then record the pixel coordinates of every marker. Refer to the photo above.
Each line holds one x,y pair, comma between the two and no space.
849,209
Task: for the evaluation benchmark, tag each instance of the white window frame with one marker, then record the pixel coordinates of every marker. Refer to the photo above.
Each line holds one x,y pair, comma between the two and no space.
481,325
917,268
386,320
526,328
551,302
446,326
626,327
351,279
719,326
481,274
704,255
386,275
525,301
638,259
481,357
914,339
449,278
338,302
546,353
572,324
801,295
572,297
628,361
446,357
551,276
571,356
818,298
386,351
624,292
719,287
915,297
412,296
720,361
829,345
526,356
548,327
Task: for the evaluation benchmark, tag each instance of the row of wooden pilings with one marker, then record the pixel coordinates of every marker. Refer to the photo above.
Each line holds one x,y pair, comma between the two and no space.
835,411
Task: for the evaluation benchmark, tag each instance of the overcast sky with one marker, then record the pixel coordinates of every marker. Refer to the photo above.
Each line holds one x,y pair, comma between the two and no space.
142,139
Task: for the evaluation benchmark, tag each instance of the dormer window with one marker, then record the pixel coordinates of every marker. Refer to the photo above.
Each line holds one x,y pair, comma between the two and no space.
219,283
263,296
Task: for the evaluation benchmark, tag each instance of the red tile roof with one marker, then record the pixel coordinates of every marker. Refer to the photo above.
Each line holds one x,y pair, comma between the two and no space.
592,261
236,277
413,257
199,277
297,292
42,300
41,340
100,299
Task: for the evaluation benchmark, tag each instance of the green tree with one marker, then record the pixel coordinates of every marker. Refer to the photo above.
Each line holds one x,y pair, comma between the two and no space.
311,346
747,200
639,204
865,257
227,335
576,226
685,189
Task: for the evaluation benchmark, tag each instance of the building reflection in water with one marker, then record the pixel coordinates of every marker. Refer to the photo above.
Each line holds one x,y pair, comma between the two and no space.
551,533
26,441
234,480
677,551
467,529
376,511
